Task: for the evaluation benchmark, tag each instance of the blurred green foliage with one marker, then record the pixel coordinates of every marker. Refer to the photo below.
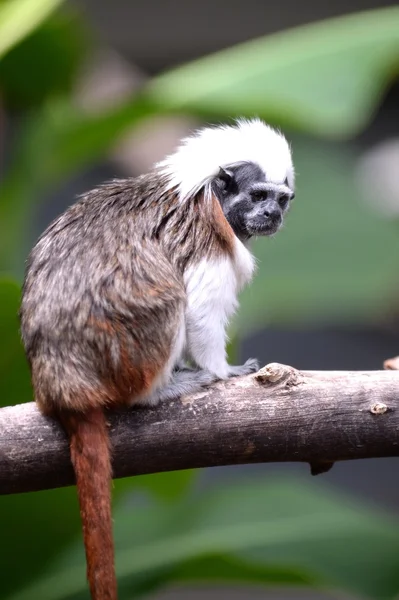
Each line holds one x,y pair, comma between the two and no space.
58,44
18,18
325,80
251,532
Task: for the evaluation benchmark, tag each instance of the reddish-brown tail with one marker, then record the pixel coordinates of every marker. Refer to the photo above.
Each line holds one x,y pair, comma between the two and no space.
90,454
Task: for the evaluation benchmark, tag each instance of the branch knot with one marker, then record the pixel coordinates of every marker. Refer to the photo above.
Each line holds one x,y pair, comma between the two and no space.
274,372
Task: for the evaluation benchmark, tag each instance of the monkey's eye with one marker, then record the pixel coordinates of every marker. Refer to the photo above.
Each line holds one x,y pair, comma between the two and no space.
258,195
283,201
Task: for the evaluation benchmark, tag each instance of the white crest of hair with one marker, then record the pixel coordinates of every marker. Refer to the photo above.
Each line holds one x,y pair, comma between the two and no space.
198,158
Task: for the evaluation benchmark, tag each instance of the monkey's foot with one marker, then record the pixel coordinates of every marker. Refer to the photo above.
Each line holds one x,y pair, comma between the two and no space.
250,366
182,383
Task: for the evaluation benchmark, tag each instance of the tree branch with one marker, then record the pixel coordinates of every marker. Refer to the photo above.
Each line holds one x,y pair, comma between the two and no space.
279,414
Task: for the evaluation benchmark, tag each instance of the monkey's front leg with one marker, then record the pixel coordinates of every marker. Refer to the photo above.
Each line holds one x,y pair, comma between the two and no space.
206,319
207,350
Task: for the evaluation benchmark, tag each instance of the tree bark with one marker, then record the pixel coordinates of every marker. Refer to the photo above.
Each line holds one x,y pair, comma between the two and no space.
278,414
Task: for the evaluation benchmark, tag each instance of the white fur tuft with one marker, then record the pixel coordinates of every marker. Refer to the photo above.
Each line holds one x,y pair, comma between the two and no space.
198,158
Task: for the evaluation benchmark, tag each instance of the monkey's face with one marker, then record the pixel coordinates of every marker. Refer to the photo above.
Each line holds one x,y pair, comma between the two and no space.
252,205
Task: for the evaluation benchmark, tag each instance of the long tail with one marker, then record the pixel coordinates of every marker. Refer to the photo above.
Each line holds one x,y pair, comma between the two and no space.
90,454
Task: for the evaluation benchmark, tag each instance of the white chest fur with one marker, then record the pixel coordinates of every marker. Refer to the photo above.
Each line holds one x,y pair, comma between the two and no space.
212,286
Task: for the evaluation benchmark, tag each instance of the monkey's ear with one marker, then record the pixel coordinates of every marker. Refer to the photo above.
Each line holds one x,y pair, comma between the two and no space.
226,177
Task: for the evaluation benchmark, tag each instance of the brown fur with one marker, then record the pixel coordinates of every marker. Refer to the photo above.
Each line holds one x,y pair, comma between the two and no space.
125,378
90,455
221,227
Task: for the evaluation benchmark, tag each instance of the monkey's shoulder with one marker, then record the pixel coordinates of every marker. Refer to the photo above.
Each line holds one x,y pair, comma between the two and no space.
104,216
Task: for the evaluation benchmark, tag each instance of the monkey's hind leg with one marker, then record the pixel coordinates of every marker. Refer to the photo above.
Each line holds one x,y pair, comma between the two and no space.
182,383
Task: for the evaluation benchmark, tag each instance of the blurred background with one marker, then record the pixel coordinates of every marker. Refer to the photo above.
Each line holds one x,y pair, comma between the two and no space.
91,90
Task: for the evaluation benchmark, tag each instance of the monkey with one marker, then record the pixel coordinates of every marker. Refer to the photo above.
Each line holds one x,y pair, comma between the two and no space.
127,296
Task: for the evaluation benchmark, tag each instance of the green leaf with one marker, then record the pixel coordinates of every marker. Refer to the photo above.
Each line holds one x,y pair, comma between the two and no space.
325,78
18,18
45,63
219,568
35,529
290,532
14,373
167,486
39,526
216,569
334,260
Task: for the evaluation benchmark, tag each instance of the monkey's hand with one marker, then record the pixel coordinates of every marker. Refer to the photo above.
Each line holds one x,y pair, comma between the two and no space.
250,366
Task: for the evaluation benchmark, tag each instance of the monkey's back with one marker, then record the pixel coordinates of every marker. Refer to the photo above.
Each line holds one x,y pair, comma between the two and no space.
97,289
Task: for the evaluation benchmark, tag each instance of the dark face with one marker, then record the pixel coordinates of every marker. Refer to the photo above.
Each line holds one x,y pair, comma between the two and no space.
252,205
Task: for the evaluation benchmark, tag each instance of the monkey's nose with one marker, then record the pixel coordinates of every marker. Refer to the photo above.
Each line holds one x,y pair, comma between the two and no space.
273,214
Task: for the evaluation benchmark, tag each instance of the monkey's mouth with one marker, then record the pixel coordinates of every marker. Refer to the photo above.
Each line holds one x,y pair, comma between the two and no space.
268,227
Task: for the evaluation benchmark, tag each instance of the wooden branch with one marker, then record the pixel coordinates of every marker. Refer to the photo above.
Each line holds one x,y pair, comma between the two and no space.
279,414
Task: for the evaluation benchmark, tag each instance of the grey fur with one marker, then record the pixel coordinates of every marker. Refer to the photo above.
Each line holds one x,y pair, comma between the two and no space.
182,383
103,294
